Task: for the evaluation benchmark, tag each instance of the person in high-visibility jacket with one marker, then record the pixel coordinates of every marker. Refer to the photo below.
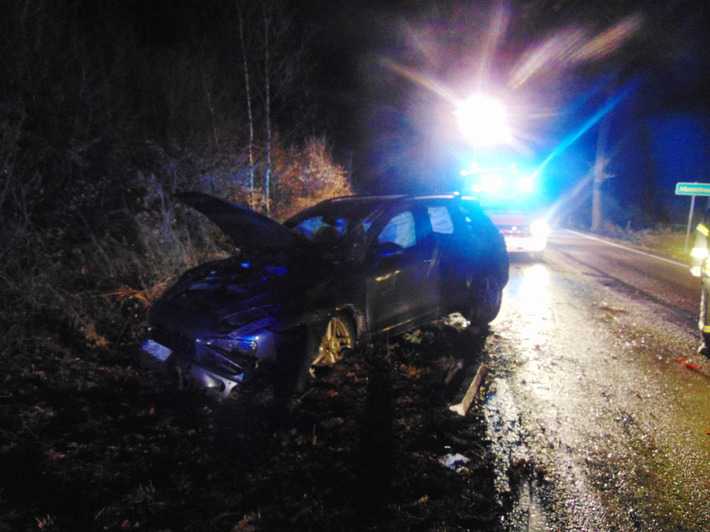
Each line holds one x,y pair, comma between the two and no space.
700,267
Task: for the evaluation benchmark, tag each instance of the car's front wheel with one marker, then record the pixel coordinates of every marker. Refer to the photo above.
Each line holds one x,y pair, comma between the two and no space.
337,339
326,345
486,299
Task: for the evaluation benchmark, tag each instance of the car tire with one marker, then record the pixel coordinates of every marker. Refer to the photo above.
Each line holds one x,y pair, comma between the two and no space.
326,345
486,299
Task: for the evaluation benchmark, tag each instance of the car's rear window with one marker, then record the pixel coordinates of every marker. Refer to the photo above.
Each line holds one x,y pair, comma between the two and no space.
400,230
440,220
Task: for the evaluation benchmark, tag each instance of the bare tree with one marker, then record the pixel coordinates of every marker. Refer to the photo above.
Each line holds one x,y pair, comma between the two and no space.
267,108
250,114
210,106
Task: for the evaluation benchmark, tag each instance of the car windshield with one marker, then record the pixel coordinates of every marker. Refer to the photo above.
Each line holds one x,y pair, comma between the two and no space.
332,223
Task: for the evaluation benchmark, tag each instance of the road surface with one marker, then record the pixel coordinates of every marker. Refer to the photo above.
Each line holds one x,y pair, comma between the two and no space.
598,407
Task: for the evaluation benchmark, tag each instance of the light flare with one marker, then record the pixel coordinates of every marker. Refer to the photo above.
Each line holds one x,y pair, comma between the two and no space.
483,120
554,51
497,30
424,81
609,40
571,46
570,139
482,123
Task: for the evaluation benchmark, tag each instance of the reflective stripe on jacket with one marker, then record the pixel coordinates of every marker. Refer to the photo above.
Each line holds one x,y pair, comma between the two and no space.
699,253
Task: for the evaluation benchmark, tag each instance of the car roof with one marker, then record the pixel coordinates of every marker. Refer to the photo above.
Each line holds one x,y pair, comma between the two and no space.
374,203
386,198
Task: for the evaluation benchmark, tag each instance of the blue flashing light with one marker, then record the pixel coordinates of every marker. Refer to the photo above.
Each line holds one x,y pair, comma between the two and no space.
605,109
503,183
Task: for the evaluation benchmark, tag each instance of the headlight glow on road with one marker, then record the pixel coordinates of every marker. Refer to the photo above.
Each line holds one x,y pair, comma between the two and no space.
535,306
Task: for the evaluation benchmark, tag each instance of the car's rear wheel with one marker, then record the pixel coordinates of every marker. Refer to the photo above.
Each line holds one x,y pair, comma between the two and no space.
486,300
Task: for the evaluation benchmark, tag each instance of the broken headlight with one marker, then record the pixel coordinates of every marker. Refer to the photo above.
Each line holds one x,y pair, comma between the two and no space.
230,355
233,343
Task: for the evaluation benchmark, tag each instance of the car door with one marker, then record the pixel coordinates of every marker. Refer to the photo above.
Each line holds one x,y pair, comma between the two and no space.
399,281
445,267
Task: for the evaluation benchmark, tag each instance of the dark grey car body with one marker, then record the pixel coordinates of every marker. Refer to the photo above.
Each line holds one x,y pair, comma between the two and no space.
387,263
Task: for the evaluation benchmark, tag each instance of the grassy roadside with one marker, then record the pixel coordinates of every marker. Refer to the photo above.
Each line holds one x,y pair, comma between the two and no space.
664,241
92,442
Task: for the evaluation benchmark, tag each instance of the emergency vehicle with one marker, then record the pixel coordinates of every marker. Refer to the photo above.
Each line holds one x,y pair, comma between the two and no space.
510,197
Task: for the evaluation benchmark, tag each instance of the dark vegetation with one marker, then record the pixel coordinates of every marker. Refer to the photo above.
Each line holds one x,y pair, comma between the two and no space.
102,120
91,442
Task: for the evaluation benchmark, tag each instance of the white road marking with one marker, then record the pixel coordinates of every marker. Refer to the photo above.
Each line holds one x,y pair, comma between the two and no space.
632,250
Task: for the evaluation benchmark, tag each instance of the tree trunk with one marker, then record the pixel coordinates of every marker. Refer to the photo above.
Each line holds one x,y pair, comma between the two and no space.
250,115
210,106
267,101
600,175
596,204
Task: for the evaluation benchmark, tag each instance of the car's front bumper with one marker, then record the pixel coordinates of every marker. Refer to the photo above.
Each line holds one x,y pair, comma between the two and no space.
524,244
193,374
199,364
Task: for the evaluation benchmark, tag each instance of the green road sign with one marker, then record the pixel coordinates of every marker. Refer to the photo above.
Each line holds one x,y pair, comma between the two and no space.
692,189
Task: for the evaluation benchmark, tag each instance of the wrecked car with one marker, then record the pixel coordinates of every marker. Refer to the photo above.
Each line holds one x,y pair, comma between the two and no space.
304,293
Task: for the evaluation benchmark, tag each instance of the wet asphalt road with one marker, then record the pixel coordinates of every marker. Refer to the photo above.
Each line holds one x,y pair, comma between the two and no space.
597,405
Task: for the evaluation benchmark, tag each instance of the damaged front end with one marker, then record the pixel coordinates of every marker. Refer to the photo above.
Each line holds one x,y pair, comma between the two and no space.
216,326
216,362
222,321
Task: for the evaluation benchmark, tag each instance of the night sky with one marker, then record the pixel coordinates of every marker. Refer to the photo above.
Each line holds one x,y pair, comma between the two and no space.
665,117
395,134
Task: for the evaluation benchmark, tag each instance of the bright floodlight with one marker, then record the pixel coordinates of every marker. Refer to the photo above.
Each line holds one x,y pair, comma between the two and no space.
483,120
526,185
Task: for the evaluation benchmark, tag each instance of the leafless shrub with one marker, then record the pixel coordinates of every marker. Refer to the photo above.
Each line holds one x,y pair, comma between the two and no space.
90,233
306,175
94,284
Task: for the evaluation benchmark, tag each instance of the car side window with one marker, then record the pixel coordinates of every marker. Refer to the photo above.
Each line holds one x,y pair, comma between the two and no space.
440,220
400,230
317,229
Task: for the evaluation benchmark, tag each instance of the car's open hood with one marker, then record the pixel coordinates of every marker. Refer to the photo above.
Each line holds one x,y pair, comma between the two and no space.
246,228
